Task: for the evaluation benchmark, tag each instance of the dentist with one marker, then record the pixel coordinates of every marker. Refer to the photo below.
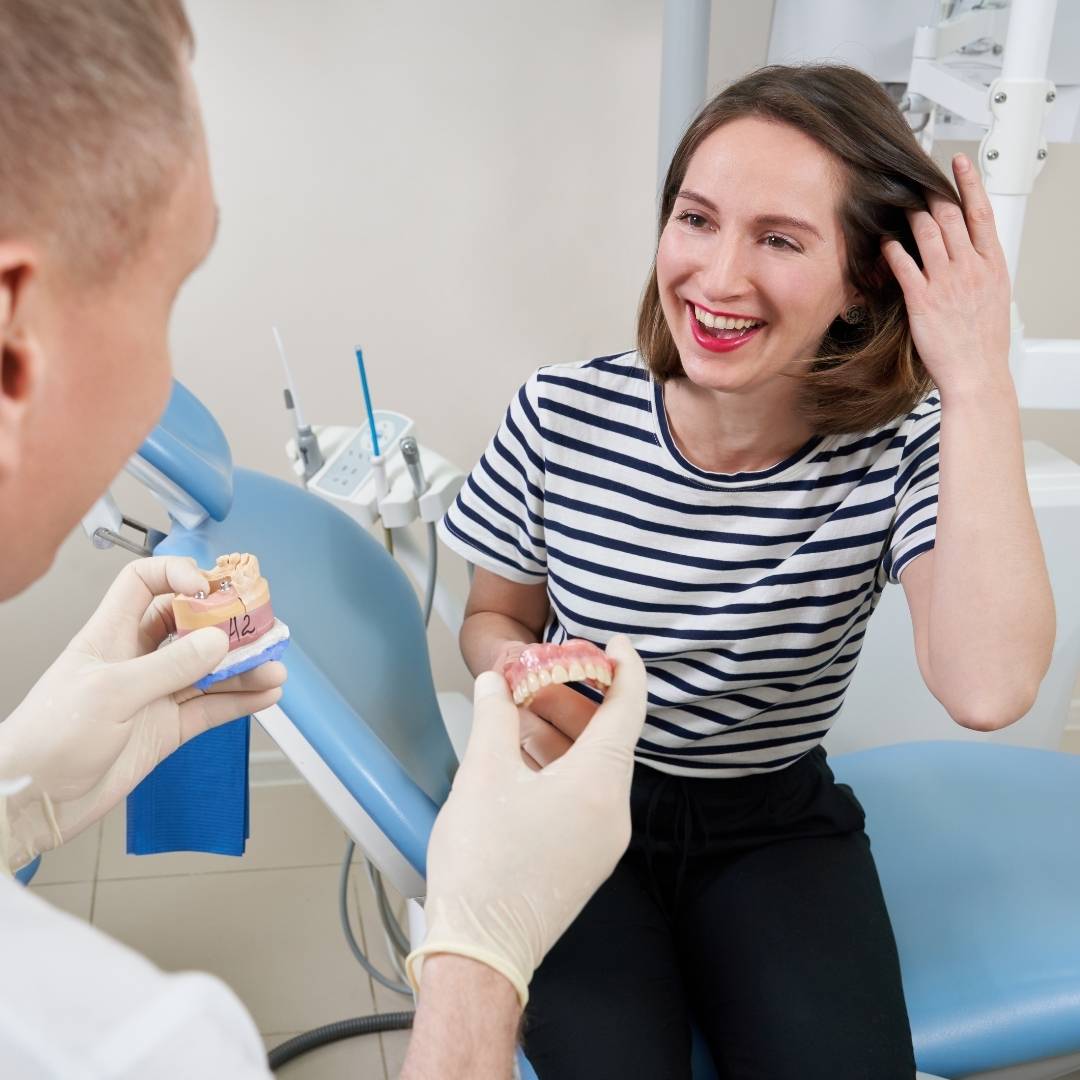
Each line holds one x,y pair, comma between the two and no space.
105,208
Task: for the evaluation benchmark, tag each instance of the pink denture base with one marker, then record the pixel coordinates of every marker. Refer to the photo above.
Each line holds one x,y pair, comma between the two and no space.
244,629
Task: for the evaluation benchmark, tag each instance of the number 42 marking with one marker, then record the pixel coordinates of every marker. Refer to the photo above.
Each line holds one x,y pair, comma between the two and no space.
236,631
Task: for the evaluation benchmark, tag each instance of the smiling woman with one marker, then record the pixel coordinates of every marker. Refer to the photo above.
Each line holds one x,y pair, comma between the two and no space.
819,406
841,168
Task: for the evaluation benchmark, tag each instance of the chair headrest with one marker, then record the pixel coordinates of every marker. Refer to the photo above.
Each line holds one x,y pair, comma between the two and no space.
189,448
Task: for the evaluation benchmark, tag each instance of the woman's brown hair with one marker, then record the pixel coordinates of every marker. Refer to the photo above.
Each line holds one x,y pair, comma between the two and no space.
863,376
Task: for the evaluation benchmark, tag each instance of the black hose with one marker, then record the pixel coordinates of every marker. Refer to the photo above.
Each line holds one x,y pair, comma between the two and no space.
335,1032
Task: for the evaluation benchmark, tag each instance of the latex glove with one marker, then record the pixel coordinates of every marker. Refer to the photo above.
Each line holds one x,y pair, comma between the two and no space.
515,854
112,706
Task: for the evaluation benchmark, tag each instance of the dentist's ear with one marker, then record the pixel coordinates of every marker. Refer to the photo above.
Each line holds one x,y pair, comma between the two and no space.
20,361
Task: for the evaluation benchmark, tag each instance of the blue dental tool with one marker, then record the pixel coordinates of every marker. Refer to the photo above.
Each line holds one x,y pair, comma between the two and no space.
367,402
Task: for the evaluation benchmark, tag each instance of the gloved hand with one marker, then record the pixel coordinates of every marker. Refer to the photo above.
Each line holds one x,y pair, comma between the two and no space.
515,854
111,707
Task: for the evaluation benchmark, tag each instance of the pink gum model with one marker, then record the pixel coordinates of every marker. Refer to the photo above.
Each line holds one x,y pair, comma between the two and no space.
538,666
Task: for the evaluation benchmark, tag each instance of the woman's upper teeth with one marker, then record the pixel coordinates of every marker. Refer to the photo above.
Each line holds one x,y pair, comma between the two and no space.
721,322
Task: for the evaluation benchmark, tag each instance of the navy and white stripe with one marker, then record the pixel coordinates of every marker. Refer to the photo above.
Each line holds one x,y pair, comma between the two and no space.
747,594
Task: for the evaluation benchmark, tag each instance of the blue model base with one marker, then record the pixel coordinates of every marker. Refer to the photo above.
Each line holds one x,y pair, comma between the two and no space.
274,652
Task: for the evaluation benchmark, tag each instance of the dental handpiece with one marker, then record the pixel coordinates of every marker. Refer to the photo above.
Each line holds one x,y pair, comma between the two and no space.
410,451
307,443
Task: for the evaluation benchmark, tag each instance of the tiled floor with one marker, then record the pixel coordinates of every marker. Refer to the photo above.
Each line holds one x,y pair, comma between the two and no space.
266,923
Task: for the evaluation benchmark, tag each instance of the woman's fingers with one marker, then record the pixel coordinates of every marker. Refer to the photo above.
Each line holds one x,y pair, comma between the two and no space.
978,212
931,243
531,762
564,708
540,741
905,269
950,221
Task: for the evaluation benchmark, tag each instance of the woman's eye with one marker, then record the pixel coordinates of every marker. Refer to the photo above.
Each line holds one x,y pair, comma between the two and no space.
779,242
694,220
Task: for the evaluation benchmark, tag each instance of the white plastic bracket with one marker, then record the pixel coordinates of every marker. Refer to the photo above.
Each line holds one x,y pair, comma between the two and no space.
952,34
1013,151
400,506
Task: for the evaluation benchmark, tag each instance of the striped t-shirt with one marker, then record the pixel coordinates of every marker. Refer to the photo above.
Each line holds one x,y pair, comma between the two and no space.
746,594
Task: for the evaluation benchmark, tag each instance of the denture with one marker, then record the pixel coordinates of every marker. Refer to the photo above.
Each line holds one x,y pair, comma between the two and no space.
238,602
538,666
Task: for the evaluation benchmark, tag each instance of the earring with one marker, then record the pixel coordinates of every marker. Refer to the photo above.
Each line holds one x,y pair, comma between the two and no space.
853,315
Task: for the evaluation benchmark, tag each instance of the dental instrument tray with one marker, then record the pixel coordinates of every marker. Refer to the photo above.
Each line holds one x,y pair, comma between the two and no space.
350,466
348,479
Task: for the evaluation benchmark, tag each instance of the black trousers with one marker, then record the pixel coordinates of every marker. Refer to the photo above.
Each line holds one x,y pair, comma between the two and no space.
751,906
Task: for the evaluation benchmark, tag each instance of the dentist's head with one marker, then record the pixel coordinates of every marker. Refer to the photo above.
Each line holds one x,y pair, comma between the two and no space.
105,208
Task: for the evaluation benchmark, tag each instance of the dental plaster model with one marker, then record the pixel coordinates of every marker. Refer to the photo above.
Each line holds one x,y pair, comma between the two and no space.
239,604
537,666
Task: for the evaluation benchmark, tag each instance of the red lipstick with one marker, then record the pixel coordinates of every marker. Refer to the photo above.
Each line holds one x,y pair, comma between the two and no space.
719,344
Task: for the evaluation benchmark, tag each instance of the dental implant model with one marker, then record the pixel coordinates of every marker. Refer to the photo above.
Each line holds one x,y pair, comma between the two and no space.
537,666
238,603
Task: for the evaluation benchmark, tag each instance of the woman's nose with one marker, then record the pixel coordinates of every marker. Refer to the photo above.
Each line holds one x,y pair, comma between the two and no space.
725,271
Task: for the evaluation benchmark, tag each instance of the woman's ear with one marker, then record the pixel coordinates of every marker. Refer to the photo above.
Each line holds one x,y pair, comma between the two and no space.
20,361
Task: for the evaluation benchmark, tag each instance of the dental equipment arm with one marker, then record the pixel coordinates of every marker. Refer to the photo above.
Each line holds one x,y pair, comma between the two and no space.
113,705
515,854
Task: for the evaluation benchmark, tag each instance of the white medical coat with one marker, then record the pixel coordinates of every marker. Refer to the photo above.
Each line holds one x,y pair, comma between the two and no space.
77,1005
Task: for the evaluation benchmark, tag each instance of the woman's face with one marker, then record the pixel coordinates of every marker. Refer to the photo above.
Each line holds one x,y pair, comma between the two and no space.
754,235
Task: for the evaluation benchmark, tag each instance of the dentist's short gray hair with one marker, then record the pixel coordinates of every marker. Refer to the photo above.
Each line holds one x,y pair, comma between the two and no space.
95,123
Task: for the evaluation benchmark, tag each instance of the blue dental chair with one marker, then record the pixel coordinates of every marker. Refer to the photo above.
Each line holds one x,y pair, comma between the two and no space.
973,843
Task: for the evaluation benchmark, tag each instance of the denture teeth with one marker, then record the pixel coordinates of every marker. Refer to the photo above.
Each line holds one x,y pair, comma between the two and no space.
545,677
604,676
577,672
534,681
559,674
590,670
520,692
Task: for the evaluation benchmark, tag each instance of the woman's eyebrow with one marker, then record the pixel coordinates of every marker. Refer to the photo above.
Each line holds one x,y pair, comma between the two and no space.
787,222
762,219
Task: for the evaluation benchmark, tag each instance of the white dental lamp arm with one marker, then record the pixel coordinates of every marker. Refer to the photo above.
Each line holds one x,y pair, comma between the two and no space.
1014,109
1014,150
989,66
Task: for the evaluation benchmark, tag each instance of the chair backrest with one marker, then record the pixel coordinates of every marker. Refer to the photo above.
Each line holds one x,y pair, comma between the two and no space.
189,449
349,606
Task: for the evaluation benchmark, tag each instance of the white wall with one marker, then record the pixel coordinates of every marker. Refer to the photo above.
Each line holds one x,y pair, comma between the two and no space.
465,189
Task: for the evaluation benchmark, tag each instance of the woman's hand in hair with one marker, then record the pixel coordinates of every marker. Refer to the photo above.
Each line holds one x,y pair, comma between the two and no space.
958,302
